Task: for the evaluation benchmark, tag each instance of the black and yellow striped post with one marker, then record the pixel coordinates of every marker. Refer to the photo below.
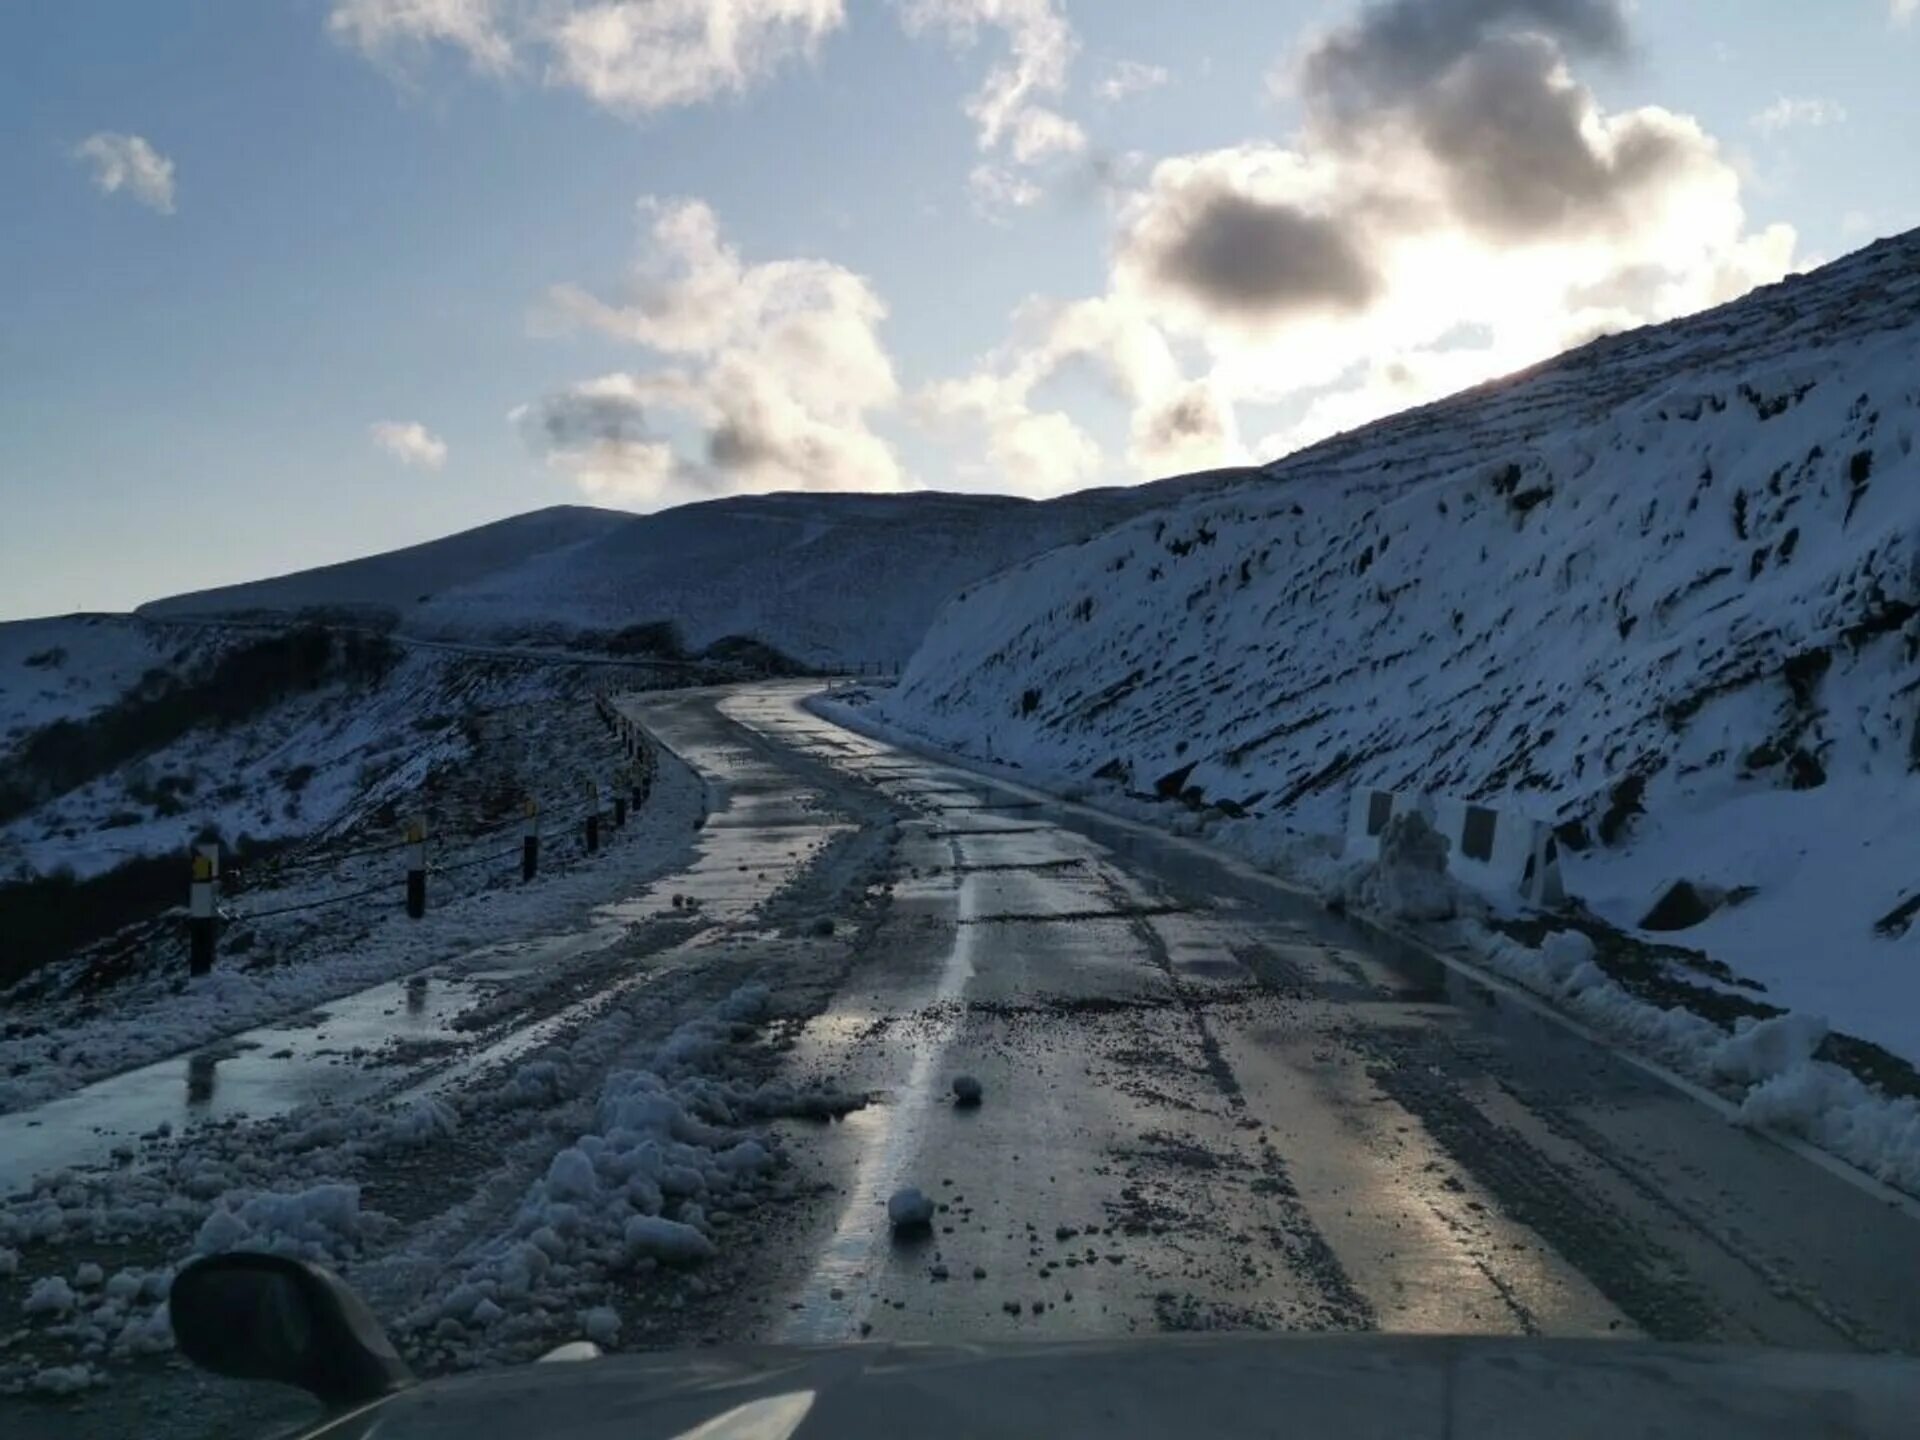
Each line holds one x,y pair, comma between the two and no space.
202,918
530,840
417,868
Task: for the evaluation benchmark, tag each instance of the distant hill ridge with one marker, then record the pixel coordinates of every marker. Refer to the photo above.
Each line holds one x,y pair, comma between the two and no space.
822,577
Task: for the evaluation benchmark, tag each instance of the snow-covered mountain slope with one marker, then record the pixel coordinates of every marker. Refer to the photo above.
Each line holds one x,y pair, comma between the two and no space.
825,578
1662,588
67,667
398,580
822,577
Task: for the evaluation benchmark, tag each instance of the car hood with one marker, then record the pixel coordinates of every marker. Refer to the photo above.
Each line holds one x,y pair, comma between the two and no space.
1396,1388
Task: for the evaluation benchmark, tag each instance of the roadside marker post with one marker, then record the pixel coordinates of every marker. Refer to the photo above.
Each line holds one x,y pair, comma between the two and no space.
593,818
619,805
530,841
417,868
202,920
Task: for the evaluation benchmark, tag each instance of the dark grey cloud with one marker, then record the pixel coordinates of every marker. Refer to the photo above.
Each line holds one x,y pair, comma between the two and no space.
1256,259
581,419
1403,46
1507,128
1481,85
1189,417
735,445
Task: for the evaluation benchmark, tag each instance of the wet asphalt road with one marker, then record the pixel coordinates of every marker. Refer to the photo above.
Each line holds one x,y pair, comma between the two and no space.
1210,1104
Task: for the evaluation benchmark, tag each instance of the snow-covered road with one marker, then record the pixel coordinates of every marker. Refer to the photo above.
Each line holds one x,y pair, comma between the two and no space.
1208,1104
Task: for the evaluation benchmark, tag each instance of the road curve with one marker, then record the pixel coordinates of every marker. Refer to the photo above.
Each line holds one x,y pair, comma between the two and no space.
1210,1104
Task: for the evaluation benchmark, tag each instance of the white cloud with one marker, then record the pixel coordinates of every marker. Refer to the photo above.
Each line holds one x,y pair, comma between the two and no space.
383,30
637,56
410,442
1398,250
1798,112
1044,451
777,366
1007,109
129,162
633,57
996,190
1130,77
1904,10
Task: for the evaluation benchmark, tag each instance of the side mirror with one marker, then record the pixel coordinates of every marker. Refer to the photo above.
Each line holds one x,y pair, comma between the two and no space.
265,1317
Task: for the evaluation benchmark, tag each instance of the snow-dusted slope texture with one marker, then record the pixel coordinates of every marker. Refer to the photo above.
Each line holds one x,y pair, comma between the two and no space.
69,666
398,580
822,577
1671,572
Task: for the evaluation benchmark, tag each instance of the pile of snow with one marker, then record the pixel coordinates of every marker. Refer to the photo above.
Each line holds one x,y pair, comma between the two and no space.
671,1156
64,1379
1409,879
98,1317
1767,1049
1664,590
50,1296
324,1223
1563,970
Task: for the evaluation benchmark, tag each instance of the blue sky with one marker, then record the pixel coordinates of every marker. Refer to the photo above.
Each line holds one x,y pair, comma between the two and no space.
282,284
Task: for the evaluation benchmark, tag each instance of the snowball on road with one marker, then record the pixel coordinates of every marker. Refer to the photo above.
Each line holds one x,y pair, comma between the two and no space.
909,1210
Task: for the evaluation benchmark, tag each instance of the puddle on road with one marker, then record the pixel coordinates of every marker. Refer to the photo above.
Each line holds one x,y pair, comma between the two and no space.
265,1071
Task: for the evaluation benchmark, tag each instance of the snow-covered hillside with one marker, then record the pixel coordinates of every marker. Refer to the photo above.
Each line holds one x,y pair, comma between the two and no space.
67,667
824,578
1661,589
399,580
